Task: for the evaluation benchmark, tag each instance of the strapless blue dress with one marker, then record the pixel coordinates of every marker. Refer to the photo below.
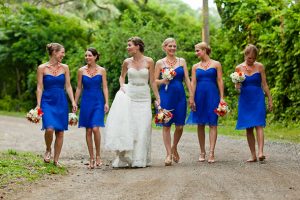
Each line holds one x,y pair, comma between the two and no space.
207,98
174,98
251,105
92,102
54,103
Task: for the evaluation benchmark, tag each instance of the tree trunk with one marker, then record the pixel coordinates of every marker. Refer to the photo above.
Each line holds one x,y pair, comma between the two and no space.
18,83
205,26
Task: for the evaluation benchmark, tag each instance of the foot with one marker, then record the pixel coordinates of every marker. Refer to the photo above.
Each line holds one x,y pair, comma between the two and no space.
175,155
211,158
57,164
168,160
261,158
47,156
252,159
202,157
98,161
91,164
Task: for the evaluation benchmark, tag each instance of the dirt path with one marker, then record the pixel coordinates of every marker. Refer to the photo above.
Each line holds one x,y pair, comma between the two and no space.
229,178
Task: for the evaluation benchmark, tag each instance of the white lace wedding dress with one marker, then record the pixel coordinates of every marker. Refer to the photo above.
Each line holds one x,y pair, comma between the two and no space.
128,126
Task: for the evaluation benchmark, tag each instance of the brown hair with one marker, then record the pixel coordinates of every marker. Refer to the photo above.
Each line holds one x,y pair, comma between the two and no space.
250,48
204,46
137,41
53,47
167,41
94,52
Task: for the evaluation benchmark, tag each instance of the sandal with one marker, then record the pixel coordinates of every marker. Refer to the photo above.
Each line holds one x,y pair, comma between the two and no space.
261,158
211,158
202,157
168,160
175,155
91,164
57,164
98,161
47,156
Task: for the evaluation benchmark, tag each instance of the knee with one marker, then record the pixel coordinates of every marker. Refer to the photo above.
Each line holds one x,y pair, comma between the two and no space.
179,128
96,129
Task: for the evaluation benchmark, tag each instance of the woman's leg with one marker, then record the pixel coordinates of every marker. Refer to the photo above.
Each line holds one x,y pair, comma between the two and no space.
89,142
59,139
177,136
167,143
260,142
97,141
212,142
251,143
201,139
48,141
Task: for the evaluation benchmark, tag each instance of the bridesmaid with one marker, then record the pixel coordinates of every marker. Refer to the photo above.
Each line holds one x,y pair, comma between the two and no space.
208,88
94,102
52,79
251,106
172,98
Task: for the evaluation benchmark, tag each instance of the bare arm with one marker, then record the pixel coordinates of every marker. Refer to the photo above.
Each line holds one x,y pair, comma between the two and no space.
152,79
123,73
69,88
193,86
40,85
188,82
79,85
265,86
105,90
220,80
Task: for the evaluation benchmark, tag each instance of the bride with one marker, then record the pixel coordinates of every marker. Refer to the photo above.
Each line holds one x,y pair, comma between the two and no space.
128,125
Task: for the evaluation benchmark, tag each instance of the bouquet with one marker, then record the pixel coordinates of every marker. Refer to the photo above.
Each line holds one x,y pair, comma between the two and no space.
238,76
73,119
34,115
163,116
222,109
168,73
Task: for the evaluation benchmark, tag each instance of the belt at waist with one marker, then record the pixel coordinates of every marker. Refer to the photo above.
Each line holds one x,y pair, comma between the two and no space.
138,84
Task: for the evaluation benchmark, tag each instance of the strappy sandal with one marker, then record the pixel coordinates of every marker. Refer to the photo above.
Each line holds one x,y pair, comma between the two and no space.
202,157
168,160
57,164
261,158
211,158
98,164
91,164
47,156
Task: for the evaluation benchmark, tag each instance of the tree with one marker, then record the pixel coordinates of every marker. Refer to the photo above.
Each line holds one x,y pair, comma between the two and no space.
205,26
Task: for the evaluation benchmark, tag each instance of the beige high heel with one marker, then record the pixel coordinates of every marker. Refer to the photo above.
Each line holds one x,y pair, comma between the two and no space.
98,164
168,160
91,164
202,157
211,158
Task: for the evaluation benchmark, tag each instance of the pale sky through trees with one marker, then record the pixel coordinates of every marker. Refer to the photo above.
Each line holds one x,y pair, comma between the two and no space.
195,4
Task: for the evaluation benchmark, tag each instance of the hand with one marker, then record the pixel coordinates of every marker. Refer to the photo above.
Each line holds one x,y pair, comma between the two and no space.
192,104
157,102
238,86
37,107
165,81
106,108
74,107
270,105
122,89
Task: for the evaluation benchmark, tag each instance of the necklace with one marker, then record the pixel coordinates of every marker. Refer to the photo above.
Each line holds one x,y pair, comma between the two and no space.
249,68
205,66
54,71
90,72
171,63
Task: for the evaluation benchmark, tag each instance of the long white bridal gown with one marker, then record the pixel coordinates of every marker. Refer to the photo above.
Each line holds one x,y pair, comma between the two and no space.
128,126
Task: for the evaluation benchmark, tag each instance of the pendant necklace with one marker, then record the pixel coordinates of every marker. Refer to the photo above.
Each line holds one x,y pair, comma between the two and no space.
54,72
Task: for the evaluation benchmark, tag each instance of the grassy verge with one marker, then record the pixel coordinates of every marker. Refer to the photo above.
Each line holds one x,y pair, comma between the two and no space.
13,114
19,167
273,131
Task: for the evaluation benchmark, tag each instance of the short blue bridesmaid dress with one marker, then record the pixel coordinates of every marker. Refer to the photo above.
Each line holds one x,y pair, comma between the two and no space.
251,105
54,103
92,102
207,98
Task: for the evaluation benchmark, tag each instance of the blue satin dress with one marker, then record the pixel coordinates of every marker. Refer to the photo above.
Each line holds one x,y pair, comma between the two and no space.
207,98
251,106
54,103
174,98
92,102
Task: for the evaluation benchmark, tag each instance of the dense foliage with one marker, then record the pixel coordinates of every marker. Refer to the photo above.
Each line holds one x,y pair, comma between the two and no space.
25,29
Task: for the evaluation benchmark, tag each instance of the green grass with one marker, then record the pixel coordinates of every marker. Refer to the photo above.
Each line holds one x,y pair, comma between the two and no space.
19,167
273,131
12,114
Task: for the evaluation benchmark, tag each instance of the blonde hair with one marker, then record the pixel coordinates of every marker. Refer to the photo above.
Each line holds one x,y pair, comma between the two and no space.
204,46
166,42
53,47
250,48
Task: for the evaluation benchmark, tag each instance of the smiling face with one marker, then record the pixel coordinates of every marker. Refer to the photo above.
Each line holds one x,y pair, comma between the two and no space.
59,55
90,58
170,48
200,53
131,48
250,58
